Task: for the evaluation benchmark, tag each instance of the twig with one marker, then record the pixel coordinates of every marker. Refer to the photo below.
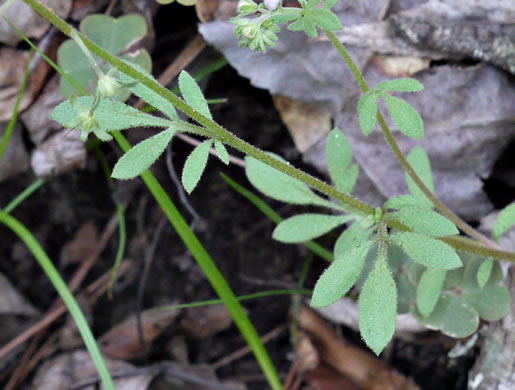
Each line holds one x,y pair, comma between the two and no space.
245,350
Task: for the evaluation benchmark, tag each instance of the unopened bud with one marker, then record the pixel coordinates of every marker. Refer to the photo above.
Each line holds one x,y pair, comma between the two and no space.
247,7
108,87
271,4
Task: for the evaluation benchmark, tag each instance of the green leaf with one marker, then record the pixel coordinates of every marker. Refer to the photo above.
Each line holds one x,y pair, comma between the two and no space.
505,221
367,112
340,276
298,25
148,95
110,115
305,227
221,151
401,85
142,156
339,157
330,4
454,316
193,94
195,165
378,307
420,162
287,16
425,221
353,236
280,186
325,19
484,271
404,201
312,3
405,117
427,251
309,28
114,35
428,289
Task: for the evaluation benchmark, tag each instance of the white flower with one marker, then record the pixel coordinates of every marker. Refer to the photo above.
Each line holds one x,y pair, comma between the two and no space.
272,4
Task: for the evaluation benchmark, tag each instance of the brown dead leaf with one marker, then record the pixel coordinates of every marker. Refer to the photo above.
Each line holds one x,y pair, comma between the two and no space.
306,122
62,152
12,302
359,366
16,157
76,370
122,341
28,21
324,377
206,10
205,321
397,66
307,356
82,246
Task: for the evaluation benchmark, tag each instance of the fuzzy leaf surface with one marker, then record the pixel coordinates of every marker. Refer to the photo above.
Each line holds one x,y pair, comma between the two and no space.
418,159
400,85
340,276
427,251
429,289
221,151
404,201
484,272
367,112
353,236
324,19
280,186
305,227
110,115
339,157
195,165
148,95
426,221
193,94
378,307
405,117
505,221
142,156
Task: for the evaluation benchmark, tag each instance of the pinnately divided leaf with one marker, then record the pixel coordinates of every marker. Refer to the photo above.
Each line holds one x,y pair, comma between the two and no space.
325,19
340,276
305,227
378,307
195,165
428,289
419,160
193,94
425,221
427,251
405,117
505,221
142,156
400,85
367,112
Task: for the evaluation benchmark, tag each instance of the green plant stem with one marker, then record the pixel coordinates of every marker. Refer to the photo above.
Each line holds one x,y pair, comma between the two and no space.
240,298
220,131
23,195
14,117
210,270
465,227
44,261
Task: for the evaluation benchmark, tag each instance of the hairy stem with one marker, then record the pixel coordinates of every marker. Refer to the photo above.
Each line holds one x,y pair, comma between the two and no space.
230,139
464,226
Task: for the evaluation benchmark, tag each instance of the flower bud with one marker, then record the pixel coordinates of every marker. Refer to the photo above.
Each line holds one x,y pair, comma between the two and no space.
107,87
250,31
272,4
88,123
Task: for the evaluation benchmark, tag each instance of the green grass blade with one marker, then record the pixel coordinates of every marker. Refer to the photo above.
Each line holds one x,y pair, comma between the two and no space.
317,249
240,298
14,117
23,195
210,270
44,261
